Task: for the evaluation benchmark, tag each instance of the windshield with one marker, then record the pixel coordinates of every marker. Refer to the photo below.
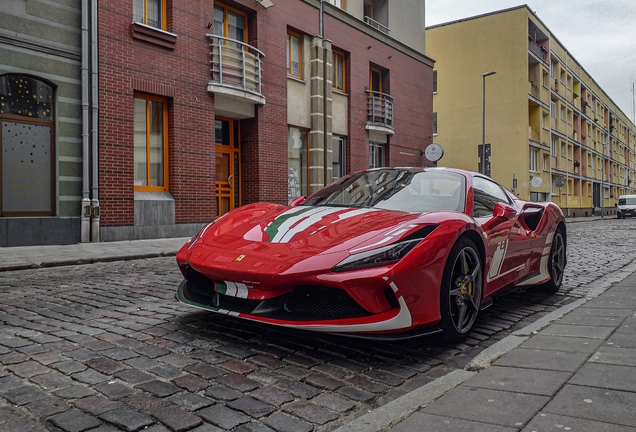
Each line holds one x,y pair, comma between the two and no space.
627,201
411,190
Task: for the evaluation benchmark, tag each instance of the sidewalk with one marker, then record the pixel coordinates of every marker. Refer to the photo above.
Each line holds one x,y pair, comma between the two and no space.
24,257
573,370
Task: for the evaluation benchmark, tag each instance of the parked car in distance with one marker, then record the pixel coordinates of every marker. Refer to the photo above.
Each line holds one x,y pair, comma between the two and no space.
626,206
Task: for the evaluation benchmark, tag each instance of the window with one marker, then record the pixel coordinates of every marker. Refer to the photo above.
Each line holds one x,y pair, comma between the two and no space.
562,113
338,3
534,158
486,194
367,10
553,67
297,160
544,121
151,143
339,155
434,81
554,147
544,79
569,117
150,12
294,54
376,155
553,109
546,163
563,153
338,81
27,146
230,23
434,123
375,80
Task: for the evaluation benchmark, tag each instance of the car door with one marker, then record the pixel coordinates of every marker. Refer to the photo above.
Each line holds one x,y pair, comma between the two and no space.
508,245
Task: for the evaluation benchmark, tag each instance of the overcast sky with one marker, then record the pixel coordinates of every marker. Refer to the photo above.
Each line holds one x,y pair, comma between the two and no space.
600,35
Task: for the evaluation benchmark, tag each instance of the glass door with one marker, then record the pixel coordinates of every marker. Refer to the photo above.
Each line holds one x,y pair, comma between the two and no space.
227,165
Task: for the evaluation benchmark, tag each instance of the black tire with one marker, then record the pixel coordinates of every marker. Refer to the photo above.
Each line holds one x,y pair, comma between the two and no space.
556,263
461,290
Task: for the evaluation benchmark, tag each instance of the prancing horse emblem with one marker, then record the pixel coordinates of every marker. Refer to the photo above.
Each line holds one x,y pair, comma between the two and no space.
240,257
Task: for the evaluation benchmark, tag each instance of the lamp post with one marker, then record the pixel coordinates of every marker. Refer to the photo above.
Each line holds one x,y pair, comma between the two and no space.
482,165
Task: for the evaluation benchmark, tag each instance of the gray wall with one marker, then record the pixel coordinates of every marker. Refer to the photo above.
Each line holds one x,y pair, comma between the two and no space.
43,39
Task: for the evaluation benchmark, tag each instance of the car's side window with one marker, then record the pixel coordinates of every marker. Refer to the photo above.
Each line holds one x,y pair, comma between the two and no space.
486,194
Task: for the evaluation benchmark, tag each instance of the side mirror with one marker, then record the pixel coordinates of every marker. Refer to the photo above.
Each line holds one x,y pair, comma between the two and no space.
503,211
297,201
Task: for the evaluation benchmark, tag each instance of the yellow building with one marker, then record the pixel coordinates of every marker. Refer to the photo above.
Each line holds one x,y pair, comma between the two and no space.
550,125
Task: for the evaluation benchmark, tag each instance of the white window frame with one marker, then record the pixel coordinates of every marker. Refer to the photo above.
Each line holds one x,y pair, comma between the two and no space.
534,159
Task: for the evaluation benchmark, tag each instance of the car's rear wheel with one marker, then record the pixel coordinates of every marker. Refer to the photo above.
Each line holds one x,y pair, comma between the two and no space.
461,291
556,263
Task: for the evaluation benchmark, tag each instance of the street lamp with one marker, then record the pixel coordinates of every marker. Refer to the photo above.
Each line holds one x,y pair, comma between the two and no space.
482,165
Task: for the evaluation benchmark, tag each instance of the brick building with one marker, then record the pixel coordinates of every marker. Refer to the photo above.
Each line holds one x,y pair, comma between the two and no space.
205,106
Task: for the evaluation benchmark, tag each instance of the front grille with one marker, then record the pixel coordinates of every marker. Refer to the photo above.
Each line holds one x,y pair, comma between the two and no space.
322,303
304,303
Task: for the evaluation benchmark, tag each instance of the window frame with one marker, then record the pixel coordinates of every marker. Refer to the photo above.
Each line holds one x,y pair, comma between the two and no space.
334,84
227,8
164,14
372,147
534,160
434,82
342,155
434,124
306,192
291,33
166,171
379,71
333,3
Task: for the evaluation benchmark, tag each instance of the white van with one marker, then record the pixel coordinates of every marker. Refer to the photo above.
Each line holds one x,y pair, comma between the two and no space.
626,206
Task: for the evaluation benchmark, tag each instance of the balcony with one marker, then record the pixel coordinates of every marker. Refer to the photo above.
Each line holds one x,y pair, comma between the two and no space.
534,90
236,70
535,49
376,25
380,112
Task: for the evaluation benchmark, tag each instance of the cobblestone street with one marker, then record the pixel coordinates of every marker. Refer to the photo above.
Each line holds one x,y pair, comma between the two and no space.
106,347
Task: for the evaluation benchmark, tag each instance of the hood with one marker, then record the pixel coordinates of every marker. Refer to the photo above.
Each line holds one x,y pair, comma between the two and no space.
303,230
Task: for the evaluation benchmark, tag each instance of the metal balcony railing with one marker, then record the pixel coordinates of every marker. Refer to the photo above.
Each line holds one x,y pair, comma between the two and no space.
236,64
376,25
379,108
537,50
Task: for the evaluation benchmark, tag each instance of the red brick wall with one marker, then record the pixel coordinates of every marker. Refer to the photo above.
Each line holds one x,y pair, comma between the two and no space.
181,74
127,65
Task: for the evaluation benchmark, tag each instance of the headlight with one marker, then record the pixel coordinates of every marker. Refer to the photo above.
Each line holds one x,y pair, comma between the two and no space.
377,257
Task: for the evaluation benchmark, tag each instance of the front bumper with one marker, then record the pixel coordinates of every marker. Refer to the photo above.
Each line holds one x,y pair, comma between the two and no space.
272,311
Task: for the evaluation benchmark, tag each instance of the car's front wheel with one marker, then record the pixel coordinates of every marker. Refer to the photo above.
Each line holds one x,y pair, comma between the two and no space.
556,263
461,291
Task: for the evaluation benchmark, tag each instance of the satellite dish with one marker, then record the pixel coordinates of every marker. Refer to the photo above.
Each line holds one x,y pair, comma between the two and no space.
536,181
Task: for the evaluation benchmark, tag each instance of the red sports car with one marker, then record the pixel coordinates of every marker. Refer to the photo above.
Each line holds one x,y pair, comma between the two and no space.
384,253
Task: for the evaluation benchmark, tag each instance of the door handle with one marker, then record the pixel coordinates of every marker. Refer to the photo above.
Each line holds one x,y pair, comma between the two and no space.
228,180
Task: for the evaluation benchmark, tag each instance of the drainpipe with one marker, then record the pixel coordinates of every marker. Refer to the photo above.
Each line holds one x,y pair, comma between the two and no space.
95,209
86,208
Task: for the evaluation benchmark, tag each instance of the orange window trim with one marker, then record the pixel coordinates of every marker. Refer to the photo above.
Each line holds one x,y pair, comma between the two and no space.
164,102
291,33
225,20
336,53
164,24
371,78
